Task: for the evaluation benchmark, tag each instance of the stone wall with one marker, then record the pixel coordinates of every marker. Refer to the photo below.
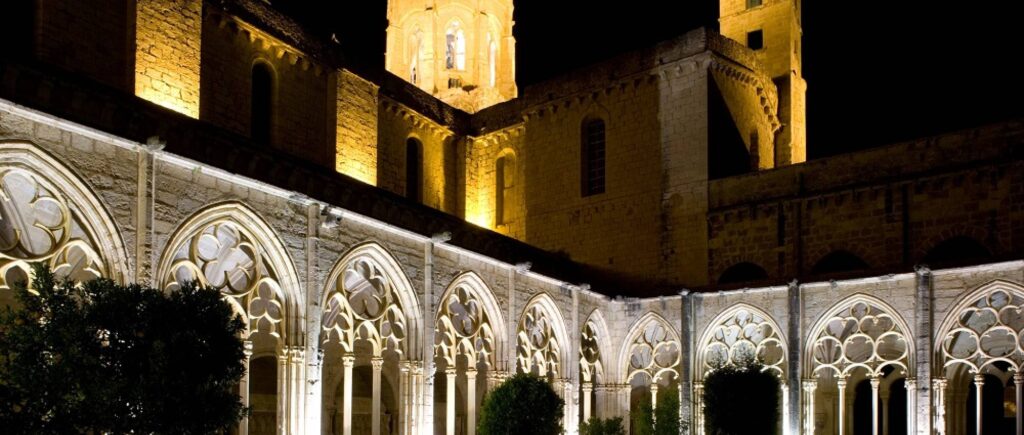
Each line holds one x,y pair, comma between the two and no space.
94,40
168,53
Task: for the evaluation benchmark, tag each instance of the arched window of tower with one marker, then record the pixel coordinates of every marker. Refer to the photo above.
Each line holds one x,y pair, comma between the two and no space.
492,60
415,44
414,169
455,47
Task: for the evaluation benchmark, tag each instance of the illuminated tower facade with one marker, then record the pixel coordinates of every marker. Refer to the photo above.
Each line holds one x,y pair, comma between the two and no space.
461,51
771,28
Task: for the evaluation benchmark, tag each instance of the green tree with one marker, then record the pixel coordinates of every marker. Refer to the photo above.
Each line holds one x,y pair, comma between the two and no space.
741,401
598,426
660,420
105,358
523,404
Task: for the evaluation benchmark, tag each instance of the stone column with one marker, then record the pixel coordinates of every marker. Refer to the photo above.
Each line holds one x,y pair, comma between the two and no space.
587,389
377,363
810,386
404,402
795,346
347,362
911,385
449,417
979,383
875,383
283,377
923,314
1018,382
841,383
654,394
243,387
698,409
939,386
471,401
624,390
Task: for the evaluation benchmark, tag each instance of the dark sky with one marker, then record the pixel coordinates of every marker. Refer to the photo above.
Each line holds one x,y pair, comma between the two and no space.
877,71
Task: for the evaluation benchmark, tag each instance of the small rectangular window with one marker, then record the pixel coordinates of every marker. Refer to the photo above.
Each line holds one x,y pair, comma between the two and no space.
593,158
755,40
753,3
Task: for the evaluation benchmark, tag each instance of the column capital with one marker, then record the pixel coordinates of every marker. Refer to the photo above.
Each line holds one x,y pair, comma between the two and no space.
247,348
875,382
979,379
450,371
348,360
939,383
471,373
841,382
1018,377
377,362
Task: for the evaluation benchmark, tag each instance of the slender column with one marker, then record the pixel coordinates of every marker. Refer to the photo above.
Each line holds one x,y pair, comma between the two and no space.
624,390
449,417
794,359
809,387
404,398
698,400
471,401
283,376
842,405
377,363
243,387
785,406
924,314
939,386
654,396
979,382
587,389
1018,382
875,383
347,362
911,385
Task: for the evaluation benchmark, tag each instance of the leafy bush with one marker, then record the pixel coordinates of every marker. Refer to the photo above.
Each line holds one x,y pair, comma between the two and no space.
741,401
106,358
598,426
662,420
523,404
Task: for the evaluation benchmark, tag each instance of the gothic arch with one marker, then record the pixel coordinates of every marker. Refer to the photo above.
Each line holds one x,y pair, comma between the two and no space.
229,247
541,339
74,232
860,331
741,330
656,348
593,366
369,297
469,321
984,328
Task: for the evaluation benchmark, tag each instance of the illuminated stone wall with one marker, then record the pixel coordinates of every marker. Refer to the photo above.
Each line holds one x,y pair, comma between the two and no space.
168,53
440,153
357,127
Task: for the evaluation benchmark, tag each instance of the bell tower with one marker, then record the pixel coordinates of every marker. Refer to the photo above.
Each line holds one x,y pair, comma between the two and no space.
461,51
772,29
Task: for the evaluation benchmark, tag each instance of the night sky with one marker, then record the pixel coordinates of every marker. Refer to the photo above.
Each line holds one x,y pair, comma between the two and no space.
877,72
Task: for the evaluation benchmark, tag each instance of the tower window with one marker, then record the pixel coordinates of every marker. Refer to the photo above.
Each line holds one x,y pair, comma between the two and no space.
414,170
504,181
414,57
755,40
492,60
753,3
592,171
455,48
262,109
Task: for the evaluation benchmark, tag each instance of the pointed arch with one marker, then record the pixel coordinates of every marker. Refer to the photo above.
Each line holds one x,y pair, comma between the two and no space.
541,338
368,296
595,347
229,247
742,330
652,347
49,214
984,327
469,322
859,332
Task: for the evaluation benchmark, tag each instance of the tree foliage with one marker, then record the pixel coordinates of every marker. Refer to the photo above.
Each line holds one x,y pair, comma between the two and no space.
741,401
660,420
523,404
599,426
105,358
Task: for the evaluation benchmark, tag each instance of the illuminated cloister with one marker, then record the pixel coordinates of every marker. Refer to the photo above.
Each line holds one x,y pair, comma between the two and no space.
357,326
